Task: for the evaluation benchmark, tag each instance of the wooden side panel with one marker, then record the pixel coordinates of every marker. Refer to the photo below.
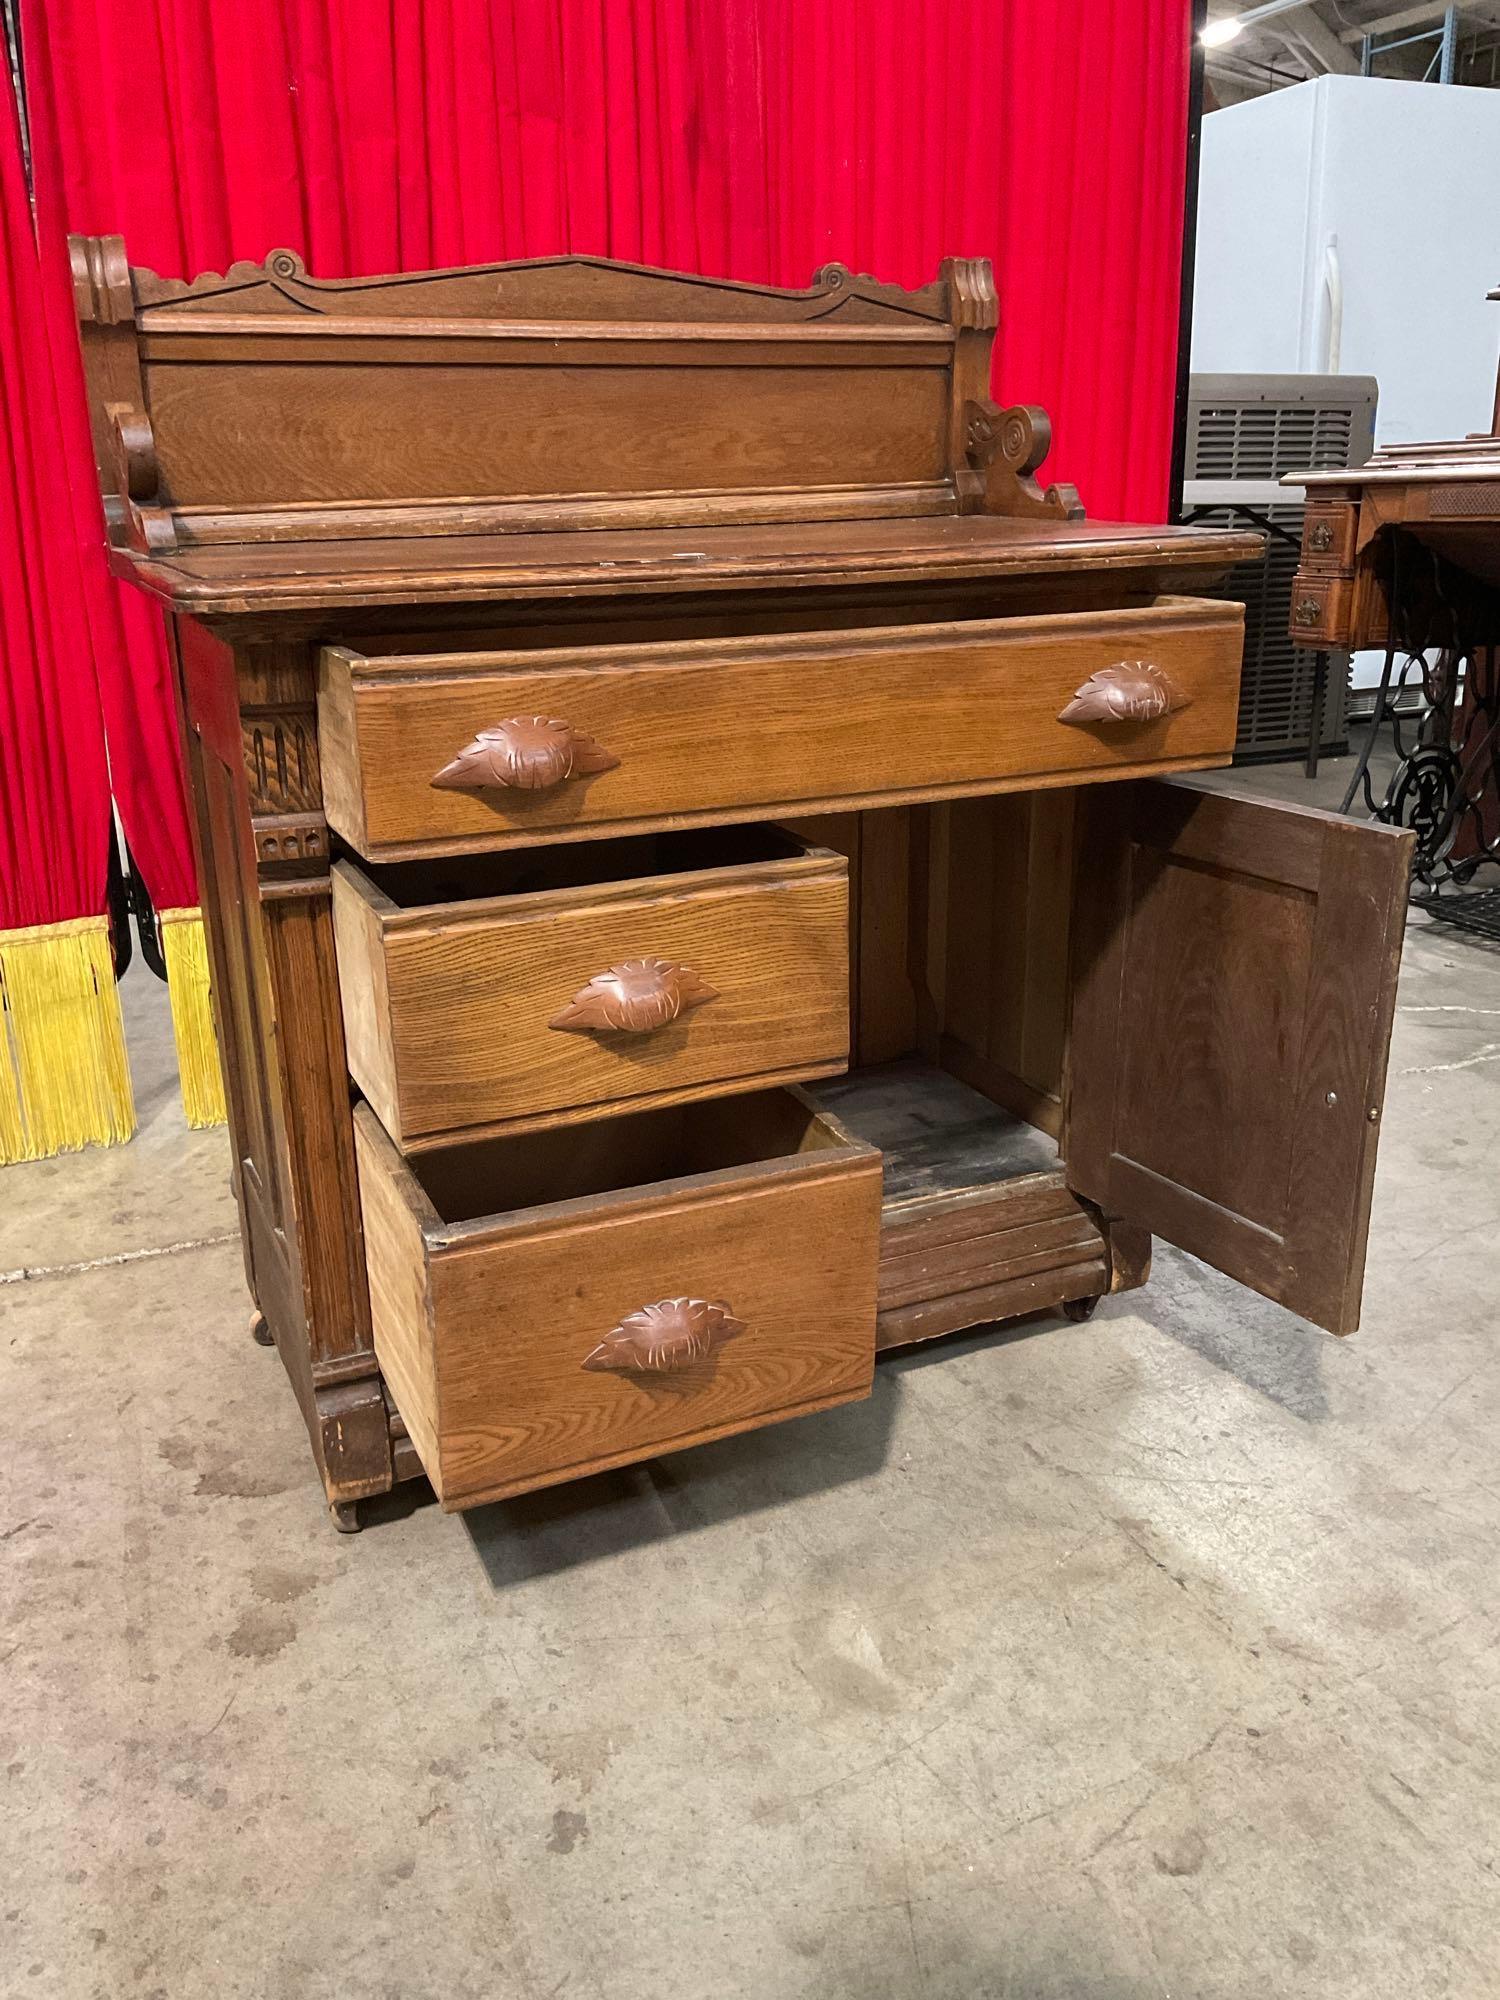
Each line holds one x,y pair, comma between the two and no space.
266,905
310,1045
1005,996
400,1309
241,1005
1235,984
240,984
364,991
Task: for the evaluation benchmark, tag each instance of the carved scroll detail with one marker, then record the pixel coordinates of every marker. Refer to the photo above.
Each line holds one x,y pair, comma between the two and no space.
134,452
281,267
672,1333
1019,437
1009,445
565,287
636,996
1129,691
525,753
131,461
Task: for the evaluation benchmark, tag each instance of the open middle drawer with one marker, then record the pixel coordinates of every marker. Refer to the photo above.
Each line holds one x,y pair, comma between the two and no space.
547,985
556,1303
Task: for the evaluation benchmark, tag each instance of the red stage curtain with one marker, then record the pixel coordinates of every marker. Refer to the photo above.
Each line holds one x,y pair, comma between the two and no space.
746,138
63,1078
754,139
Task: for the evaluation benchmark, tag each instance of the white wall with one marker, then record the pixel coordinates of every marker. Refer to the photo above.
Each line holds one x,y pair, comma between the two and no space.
1405,178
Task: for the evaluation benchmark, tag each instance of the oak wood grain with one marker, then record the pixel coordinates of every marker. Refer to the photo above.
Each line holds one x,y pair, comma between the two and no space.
505,1402
451,1009
551,482
709,730
1235,977
977,1218
327,582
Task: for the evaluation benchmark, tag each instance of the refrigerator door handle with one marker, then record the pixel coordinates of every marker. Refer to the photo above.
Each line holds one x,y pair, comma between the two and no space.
1333,332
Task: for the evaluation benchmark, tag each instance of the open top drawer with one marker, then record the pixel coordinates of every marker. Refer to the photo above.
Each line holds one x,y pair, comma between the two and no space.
435,753
553,1304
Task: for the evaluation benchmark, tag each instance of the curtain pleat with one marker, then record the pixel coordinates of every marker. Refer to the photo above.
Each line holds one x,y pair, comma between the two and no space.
64,1081
55,824
755,139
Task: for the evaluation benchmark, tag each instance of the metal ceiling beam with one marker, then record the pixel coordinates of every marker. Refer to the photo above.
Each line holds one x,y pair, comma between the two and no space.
1322,44
1405,17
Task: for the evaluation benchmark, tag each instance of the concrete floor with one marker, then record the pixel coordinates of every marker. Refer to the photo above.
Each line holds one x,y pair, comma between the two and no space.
1150,1657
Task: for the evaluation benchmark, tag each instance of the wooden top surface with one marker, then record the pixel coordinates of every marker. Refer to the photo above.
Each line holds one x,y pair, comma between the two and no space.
1458,460
248,579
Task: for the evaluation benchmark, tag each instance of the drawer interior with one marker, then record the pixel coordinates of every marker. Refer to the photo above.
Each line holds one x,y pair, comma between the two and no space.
936,1135
618,1156
616,622
462,878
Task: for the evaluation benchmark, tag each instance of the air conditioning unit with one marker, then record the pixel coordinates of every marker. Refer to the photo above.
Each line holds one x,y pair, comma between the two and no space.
1244,432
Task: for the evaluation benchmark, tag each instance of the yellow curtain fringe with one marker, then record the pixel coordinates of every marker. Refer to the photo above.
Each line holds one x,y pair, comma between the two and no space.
64,1077
192,1017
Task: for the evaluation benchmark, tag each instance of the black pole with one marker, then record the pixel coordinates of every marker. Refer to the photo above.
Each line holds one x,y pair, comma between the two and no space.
10,14
1189,257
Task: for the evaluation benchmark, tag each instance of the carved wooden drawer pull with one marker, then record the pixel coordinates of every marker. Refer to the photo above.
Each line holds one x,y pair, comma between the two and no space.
1129,691
1309,610
1320,537
635,996
670,1334
525,753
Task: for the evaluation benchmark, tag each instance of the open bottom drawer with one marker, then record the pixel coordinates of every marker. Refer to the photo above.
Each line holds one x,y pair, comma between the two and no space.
553,1304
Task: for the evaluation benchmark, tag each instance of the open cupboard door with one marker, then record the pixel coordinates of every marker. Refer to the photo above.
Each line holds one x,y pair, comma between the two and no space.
1235,977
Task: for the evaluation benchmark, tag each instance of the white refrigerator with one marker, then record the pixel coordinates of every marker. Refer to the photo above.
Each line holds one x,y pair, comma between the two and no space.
1351,225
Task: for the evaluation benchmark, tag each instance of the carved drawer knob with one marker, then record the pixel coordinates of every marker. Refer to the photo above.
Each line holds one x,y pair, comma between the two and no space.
635,996
1309,610
525,753
655,1339
1129,691
1320,537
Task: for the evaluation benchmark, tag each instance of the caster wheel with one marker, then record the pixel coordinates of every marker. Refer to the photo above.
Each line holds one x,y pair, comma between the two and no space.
1079,1310
345,1516
260,1331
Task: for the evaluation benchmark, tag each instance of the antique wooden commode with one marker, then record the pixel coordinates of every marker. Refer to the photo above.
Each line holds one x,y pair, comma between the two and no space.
619,704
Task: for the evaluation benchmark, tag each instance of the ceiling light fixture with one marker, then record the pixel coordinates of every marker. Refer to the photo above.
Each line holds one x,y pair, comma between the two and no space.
1229,27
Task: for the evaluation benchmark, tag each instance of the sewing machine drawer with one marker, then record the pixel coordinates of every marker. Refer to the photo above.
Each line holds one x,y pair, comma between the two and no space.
553,1304
489,992
437,753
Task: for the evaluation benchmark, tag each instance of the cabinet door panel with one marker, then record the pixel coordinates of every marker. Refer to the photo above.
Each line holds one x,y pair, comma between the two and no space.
1235,969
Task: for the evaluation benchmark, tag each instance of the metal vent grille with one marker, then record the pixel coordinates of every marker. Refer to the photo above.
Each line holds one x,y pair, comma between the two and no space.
1266,440
1245,432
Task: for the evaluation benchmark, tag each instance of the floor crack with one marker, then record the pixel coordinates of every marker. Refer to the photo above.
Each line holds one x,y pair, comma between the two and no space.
24,1273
